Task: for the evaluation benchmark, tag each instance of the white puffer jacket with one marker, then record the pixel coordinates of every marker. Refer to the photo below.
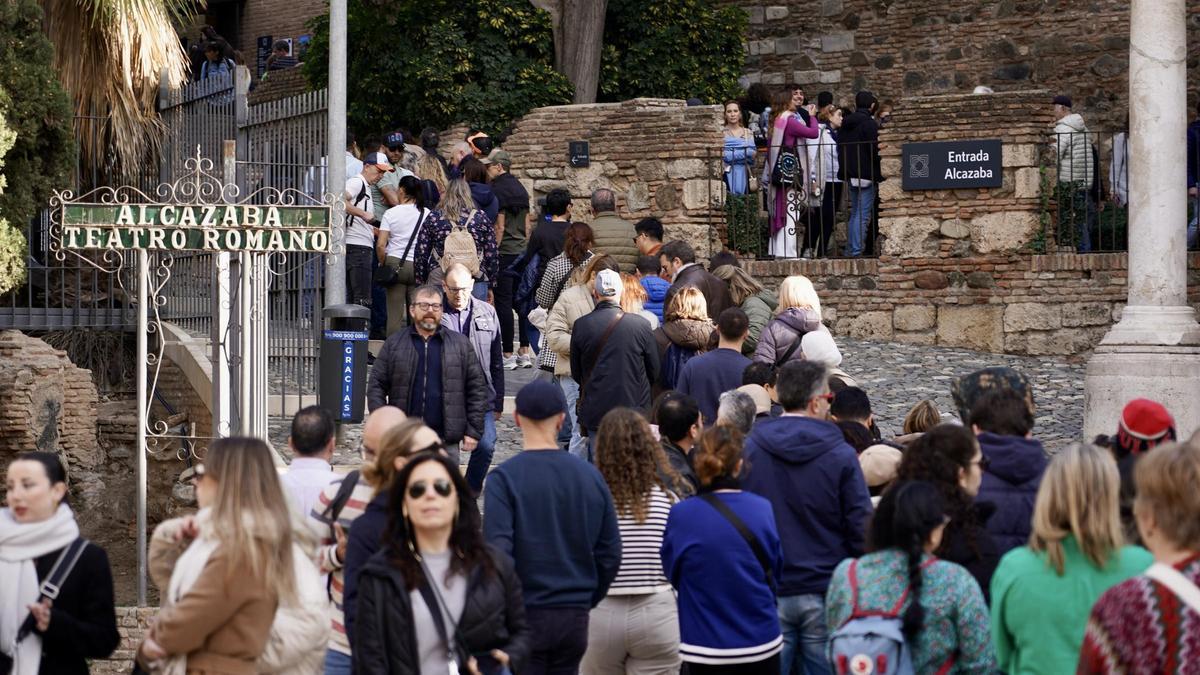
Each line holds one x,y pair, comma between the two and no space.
299,634
1074,150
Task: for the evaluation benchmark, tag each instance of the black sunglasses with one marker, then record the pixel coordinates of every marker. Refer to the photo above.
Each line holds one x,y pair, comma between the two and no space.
441,486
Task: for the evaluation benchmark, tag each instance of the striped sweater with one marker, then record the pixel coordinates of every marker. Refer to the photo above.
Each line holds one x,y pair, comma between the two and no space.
327,553
641,569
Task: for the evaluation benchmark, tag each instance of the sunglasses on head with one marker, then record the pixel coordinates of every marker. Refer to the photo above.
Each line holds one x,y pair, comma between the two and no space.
441,486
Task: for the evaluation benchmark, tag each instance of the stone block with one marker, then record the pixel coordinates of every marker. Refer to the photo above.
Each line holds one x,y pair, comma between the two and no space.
1075,314
1029,183
1062,342
1003,231
914,317
545,186
831,7
830,76
762,46
923,339
971,326
787,45
868,326
651,170
638,197
756,15
806,76
1018,154
685,168
773,78
955,229
1025,316
890,167
909,237
776,12
930,280
980,279
890,191
701,194
837,42
666,197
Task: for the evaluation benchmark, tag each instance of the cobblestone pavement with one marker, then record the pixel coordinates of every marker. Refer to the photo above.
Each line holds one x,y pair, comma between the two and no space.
894,375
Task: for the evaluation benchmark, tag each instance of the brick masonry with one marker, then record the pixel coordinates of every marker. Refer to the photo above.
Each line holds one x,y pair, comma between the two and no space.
905,49
662,158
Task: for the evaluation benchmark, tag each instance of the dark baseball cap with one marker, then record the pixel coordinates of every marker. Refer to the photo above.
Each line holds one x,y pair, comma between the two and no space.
540,400
1064,101
394,140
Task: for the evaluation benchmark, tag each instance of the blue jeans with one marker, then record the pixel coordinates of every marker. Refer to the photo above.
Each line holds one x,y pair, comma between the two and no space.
577,444
481,456
535,336
479,290
1193,228
336,663
805,635
862,205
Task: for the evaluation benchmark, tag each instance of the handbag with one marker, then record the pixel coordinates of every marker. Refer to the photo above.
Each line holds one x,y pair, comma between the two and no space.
752,184
386,275
49,590
786,172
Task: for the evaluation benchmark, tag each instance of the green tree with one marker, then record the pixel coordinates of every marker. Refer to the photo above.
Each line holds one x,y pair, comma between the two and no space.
12,243
38,112
672,49
438,62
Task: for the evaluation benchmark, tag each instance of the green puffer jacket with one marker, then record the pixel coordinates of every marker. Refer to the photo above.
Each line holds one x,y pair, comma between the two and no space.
614,236
759,308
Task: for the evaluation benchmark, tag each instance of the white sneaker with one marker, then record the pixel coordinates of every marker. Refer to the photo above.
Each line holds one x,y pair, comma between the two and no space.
511,363
525,360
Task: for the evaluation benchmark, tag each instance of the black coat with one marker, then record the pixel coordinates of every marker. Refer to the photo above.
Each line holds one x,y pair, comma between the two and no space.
464,387
621,376
493,618
83,621
972,546
716,292
858,146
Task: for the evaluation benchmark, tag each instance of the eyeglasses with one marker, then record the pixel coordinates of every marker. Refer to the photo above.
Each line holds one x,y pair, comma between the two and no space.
440,486
453,289
427,306
828,397
365,451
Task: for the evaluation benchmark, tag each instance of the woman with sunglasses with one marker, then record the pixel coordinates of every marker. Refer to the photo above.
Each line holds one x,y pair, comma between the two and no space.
948,457
945,621
436,598
396,446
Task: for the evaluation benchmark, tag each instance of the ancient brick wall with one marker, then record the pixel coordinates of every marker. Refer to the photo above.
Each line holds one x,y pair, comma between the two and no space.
904,49
662,158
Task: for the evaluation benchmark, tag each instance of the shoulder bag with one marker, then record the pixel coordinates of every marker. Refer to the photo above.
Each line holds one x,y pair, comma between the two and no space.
386,275
755,545
1181,586
49,590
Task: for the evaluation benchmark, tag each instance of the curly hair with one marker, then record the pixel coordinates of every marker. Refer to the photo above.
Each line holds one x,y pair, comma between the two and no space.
629,459
937,457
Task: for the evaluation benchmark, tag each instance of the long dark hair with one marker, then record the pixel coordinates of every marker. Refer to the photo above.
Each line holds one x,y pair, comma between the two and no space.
412,188
467,547
907,515
55,471
936,458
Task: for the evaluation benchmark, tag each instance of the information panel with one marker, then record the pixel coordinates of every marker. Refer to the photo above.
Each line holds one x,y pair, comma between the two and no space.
952,165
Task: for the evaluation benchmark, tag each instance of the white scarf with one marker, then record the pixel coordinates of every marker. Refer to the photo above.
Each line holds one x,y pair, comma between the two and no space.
20,545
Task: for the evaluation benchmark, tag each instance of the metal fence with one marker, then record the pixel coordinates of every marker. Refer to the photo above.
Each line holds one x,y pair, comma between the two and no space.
826,205
1085,193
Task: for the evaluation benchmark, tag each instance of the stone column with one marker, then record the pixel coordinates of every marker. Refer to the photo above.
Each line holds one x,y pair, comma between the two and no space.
1154,351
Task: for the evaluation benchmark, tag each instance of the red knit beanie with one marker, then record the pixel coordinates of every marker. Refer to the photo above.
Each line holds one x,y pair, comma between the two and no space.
1144,424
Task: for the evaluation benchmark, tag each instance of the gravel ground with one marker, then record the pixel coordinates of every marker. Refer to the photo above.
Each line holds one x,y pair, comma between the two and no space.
894,375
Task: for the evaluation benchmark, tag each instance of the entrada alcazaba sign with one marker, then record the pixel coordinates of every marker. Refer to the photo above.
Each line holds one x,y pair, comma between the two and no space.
207,227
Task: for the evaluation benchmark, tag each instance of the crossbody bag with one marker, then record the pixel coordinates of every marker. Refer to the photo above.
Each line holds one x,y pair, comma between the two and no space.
49,590
1180,585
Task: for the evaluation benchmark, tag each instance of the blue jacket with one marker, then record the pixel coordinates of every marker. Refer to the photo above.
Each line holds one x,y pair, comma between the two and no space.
726,609
656,289
1011,482
486,200
815,484
362,541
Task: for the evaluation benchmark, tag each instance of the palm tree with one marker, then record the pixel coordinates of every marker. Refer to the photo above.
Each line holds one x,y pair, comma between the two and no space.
110,55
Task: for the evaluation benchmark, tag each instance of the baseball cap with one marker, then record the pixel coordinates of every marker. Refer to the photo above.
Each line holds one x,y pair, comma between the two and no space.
762,400
540,400
394,140
380,160
500,157
1064,101
880,464
608,284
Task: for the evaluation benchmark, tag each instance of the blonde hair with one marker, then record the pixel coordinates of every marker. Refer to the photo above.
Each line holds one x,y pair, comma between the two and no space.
429,167
457,203
922,417
1166,479
1080,496
798,291
250,516
633,296
687,303
396,443
741,284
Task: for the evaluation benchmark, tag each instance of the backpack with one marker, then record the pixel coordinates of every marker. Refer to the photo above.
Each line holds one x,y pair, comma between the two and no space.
459,247
873,642
673,362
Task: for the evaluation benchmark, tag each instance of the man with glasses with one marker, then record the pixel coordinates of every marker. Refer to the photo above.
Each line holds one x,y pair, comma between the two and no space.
648,236
340,504
820,525
432,372
477,321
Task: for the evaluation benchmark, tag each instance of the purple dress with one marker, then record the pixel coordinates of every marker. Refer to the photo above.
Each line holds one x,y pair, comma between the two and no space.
787,132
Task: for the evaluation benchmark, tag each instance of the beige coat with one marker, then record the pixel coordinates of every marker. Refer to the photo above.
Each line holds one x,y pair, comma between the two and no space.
573,303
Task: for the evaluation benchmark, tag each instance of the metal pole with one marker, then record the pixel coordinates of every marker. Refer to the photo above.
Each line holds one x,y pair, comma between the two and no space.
222,302
246,337
143,290
335,265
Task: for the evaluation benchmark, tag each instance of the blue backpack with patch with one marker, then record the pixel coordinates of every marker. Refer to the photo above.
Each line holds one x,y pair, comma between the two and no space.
873,642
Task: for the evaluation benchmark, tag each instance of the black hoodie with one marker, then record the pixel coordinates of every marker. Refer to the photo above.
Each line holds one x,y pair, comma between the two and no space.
858,146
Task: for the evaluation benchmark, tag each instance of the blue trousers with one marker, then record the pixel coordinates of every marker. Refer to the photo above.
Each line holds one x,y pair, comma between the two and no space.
481,456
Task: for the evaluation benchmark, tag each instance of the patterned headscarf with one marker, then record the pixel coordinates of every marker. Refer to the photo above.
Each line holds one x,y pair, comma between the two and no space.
968,389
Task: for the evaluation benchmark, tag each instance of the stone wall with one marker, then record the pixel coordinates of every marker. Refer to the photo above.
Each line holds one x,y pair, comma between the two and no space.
132,624
904,49
662,158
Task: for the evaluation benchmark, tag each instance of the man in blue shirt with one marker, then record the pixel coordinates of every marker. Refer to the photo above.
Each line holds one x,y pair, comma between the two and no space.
707,376
552,512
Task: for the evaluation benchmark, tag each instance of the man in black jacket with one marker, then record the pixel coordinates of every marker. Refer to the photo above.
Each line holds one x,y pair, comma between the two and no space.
679,427
431,372
858,150
613,356
678,258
